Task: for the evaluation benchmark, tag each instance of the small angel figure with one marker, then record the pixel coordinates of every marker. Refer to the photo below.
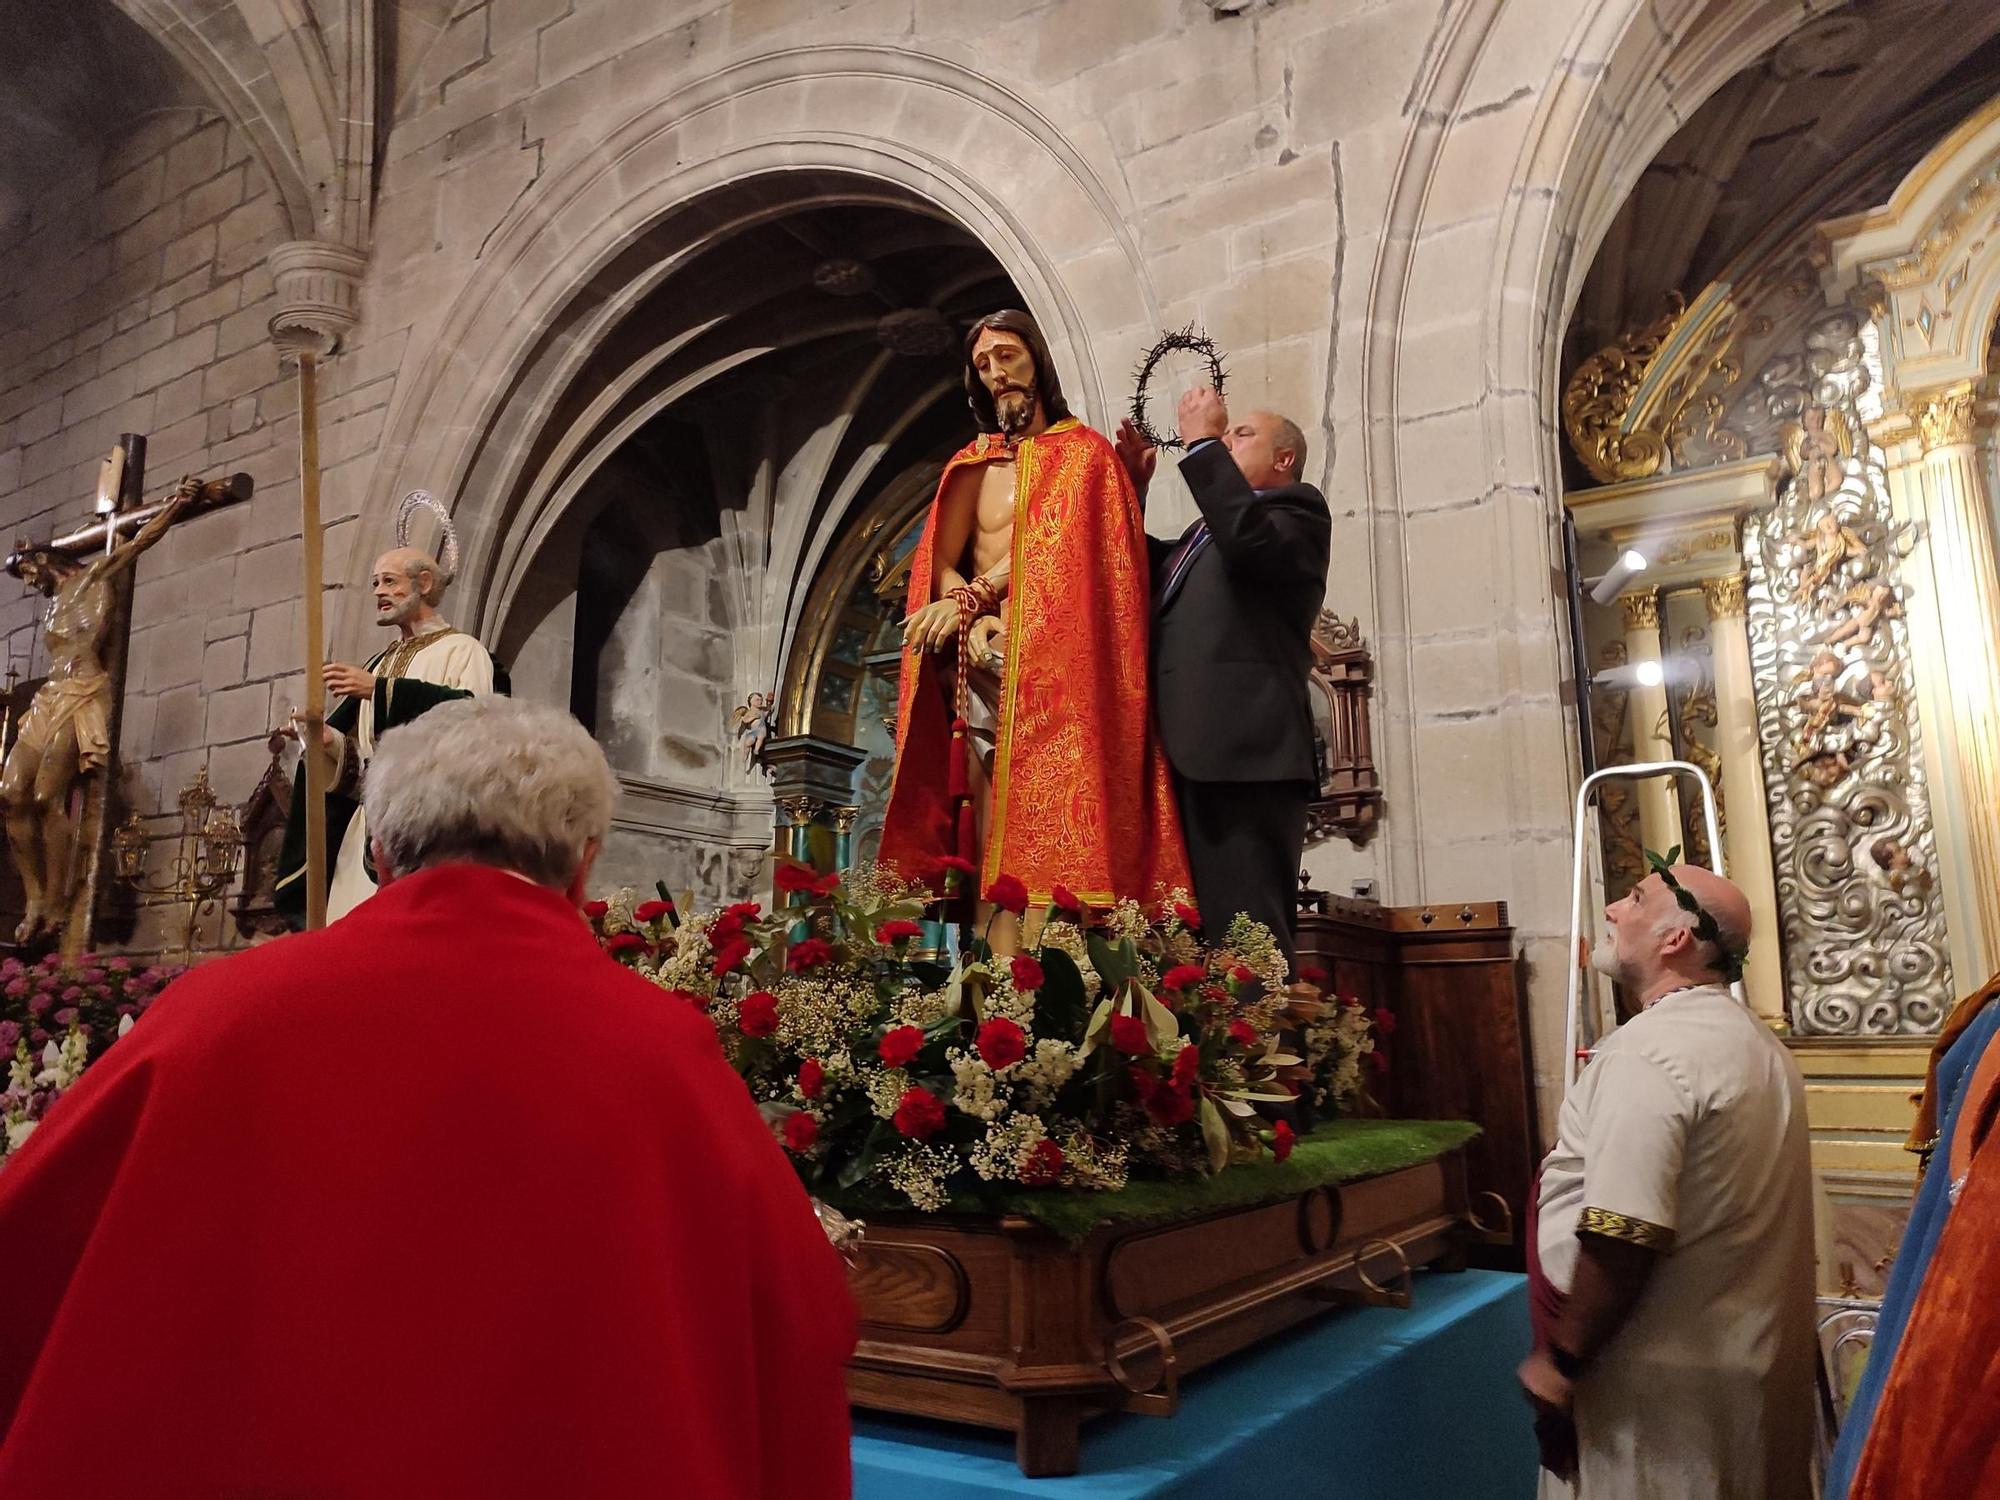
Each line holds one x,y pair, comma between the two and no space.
1832,547
750,724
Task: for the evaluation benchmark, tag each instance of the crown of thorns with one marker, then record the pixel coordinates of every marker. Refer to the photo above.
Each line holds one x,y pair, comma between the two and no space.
1729,963
1188,340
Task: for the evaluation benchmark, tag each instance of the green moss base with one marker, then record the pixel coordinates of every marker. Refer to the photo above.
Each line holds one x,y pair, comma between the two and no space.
1338,1151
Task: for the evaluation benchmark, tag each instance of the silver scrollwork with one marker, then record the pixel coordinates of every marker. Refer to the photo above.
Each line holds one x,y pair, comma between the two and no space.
1851,831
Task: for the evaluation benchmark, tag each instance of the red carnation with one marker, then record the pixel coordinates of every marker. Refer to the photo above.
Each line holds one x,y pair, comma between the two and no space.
1009,894
1187,1066
1244,1033
801,1130
897,931
744,911
812,1078
1001,1043
623,942
758,1014
792,878
1313,974
1027,972
807,952
899,1047
595,910
724,928
1385,1020
919,1113
1041,1165
1169,1107
828,884
1380,1060
1283,1138
1243,975
1062,898
1190,918
1128,1035
1181,976
730,955
651,911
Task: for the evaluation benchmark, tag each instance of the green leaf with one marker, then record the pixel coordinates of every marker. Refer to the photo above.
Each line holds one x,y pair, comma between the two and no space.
1062,1003
1162,1025
1100,1022
1215,1134
1114,965
864,1160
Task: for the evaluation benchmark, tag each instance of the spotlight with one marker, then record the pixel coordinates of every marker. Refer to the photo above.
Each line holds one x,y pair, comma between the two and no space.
1649,674
1631,562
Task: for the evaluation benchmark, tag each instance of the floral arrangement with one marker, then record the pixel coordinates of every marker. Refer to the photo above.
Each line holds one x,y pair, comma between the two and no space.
1114,1043
56,1019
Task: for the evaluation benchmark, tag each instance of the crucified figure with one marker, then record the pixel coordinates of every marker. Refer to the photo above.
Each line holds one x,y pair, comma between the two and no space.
66,732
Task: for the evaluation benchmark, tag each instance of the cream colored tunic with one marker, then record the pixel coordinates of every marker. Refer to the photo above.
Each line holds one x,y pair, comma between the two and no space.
457,661
1687,1131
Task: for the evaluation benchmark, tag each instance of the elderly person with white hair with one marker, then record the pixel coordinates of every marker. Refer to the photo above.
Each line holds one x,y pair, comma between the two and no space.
437,1202
1672,1254
430,662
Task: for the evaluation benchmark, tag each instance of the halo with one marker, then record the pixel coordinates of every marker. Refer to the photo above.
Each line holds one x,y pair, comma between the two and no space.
418,500
1188,340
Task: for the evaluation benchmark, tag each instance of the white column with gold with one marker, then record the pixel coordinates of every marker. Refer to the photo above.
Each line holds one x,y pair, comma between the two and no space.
1652,736
1746,834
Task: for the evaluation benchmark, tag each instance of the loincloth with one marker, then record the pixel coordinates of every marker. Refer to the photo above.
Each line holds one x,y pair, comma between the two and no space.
80,704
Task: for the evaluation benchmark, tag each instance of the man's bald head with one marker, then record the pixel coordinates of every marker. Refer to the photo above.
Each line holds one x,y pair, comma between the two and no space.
1652,946
1269,449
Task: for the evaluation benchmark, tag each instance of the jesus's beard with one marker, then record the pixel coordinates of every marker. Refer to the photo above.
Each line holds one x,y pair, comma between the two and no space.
1604,958
1015,410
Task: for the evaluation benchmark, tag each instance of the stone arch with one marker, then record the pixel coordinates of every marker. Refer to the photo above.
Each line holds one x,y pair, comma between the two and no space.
576,253
278,86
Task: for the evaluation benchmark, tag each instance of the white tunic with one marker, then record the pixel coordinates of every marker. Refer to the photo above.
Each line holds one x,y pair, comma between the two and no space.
1687,1131
457,661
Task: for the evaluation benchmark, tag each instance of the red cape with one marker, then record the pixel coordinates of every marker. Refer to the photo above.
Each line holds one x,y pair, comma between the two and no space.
1082,795
439,1202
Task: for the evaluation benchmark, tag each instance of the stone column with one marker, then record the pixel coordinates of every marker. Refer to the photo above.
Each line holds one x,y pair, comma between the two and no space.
1652,736
1746,832
1958,538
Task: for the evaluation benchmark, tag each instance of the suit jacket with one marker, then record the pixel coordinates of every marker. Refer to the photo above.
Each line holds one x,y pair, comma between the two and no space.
1232,645
438,1201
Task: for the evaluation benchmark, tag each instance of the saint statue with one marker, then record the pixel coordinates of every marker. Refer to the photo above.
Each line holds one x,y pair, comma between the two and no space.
430,662
66,732
1024,741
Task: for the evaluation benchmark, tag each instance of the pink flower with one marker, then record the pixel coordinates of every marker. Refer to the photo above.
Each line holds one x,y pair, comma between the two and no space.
757,1015
900,1045
1001,1043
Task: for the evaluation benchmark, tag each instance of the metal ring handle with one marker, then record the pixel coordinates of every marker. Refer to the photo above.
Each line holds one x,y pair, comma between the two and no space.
1501,1233
1399,1285
1162,1341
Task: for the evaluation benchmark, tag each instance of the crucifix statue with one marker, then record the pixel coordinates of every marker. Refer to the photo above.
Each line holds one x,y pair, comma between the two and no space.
70,728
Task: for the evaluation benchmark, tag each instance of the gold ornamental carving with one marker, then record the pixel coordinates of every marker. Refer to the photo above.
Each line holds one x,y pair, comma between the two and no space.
1642,610
1724,597
1629,417
1944,418
1600,395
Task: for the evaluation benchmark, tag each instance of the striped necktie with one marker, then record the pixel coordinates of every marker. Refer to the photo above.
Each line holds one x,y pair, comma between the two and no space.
1184,555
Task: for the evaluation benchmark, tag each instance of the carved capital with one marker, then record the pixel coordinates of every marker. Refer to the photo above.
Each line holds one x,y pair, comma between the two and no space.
1944,418
1723,596
843,819
318,284
1642,610
801,810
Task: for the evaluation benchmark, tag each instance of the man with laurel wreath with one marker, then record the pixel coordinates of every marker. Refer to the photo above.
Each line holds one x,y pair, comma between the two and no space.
1024,738
430,662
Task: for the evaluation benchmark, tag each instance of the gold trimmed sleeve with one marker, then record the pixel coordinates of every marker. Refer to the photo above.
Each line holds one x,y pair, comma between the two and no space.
1617,1226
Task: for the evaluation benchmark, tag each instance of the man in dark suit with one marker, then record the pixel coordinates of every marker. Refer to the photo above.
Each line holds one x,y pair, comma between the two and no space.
1234,602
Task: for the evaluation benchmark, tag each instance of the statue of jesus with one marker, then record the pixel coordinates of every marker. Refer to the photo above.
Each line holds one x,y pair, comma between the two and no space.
1024,741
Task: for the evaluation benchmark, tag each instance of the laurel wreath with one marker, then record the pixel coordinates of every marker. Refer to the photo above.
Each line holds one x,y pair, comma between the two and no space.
1187,341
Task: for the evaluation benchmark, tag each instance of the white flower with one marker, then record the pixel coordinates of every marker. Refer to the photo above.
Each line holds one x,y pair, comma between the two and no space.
18,1132
124,1024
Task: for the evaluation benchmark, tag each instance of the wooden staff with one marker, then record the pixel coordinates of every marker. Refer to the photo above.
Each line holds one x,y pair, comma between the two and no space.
313,720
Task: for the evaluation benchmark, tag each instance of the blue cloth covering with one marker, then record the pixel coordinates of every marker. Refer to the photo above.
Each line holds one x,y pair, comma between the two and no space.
1913,1256
1366,1404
